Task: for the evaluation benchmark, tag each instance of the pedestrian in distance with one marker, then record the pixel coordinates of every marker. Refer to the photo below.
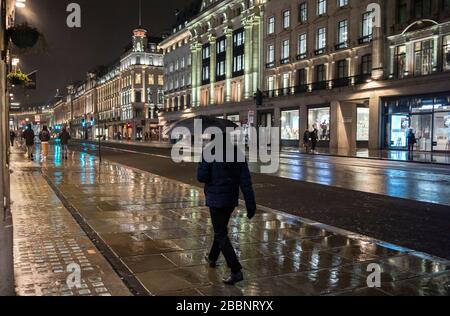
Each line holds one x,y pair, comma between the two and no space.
28,135
412,141
314,135
222,181
12,137
64,137
307,140
44,137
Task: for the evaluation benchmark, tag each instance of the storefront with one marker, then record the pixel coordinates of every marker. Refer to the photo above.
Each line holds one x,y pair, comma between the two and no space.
362,126
290,127
427,115
319,118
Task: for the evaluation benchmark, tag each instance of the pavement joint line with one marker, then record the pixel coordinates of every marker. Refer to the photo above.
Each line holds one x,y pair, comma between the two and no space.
125,274
333,229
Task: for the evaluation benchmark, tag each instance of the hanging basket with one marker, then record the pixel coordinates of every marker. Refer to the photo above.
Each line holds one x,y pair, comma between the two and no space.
23,36
18,78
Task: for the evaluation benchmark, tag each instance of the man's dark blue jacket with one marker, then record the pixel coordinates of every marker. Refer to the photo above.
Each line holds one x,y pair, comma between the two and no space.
222,182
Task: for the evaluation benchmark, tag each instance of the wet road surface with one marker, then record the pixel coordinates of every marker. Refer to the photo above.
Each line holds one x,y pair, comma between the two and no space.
415,181
160,230
413,224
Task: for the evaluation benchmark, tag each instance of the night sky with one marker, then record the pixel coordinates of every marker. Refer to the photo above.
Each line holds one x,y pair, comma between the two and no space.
105,31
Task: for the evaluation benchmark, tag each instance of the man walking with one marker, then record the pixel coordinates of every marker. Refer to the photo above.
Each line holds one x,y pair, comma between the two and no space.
12,137
222,182
64,136
28,135
412,141
314,137
306,140
44,137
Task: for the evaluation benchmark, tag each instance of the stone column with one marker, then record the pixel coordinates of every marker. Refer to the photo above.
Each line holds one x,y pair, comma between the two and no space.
257,65
229,63
194,85
248,49
374,122
212,69
334,129
310,76
377,53
303,126
293,80
346,125
331,67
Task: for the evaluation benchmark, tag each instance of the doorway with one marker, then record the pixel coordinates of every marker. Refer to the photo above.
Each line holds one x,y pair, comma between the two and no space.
422,126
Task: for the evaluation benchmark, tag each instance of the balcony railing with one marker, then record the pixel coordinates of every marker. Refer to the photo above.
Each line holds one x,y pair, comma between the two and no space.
284,91
320,85
341,46
301,88
365,39
362,78
270,65
284,61
302,56
270,93
319,51
341,82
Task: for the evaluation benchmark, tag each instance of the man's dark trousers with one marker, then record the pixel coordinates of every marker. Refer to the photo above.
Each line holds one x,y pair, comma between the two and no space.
220,218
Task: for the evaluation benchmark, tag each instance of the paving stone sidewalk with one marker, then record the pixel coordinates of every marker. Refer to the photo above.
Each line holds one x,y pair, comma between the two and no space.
47,240
160,230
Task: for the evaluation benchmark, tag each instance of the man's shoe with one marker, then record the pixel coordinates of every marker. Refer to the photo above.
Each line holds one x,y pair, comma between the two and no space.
234,278
211,264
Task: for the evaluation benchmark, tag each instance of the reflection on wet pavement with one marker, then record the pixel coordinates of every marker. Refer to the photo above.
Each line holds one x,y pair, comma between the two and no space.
421,182
161,230
47,240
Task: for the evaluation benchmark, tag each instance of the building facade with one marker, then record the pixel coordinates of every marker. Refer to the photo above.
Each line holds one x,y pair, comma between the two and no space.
319,61
418,69
119,101
225,50
177,72
355,75
361,72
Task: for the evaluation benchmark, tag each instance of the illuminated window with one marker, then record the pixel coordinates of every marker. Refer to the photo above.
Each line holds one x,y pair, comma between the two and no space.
151,79
446,52
321,7
138,79
271,25
342,3
286,19
303,12
342,34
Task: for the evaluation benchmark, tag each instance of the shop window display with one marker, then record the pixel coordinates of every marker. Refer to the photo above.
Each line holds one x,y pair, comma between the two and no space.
290,125
442,131
428,116
399,128
320,118
362,129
